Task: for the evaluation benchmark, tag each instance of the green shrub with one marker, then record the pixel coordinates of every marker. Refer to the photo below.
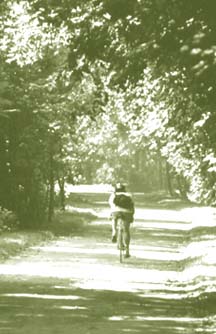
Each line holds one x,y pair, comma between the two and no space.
8,220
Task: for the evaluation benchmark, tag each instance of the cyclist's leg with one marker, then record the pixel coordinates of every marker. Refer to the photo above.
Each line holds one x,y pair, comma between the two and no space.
127,237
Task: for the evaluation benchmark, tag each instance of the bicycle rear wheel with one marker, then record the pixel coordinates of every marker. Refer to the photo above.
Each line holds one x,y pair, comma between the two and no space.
120,240
121,246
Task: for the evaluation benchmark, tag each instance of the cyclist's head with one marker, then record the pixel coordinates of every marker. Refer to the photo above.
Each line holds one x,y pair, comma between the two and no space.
120,188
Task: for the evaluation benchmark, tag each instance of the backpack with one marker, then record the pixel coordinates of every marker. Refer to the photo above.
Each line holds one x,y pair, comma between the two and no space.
124,201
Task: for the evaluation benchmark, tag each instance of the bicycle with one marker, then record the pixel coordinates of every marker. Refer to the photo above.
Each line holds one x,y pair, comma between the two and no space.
120,238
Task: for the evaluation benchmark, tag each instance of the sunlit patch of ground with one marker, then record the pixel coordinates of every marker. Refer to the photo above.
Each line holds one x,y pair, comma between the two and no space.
76,284
94,263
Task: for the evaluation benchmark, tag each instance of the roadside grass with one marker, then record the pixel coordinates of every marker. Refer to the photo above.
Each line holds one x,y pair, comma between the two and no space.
70,221
67,222
13,243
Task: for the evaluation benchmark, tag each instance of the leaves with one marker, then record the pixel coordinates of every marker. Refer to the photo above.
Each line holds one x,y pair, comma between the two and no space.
112,85
26,39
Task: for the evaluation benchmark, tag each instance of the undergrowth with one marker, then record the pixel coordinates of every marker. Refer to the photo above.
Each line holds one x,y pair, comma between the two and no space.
64,223
14,243
68,222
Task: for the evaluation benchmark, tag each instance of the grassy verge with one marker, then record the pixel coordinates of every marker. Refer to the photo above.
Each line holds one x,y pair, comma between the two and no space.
64,223
70,221
13,243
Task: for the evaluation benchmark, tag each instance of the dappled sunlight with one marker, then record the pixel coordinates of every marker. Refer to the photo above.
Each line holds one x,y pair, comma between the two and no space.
91,275
70,208
40,296
200,216
141,318
161,225
172,264
65,307
89,188
13,240
193,272
95,264
102,311
162,215
104,213
75,250
38,315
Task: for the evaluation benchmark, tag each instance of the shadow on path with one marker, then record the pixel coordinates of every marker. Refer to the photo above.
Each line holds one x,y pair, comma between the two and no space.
56,307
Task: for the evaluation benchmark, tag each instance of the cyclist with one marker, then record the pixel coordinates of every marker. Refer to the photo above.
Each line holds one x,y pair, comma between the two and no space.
121,204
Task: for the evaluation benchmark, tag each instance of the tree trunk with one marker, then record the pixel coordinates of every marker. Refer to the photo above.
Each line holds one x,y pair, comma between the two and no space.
160,171
182,186
61,182
51,184
168,176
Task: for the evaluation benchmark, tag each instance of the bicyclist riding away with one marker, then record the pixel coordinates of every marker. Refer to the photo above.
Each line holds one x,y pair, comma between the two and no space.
121,204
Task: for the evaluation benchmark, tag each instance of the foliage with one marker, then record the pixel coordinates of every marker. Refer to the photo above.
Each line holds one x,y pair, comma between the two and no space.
8,220
102,90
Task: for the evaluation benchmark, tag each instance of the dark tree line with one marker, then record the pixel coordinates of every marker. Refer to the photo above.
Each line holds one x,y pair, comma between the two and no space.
96,90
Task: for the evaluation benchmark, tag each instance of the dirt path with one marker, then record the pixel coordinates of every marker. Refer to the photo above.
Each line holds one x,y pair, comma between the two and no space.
76,284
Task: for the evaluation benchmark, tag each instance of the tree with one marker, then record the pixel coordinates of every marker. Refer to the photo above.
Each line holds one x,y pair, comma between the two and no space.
149,65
